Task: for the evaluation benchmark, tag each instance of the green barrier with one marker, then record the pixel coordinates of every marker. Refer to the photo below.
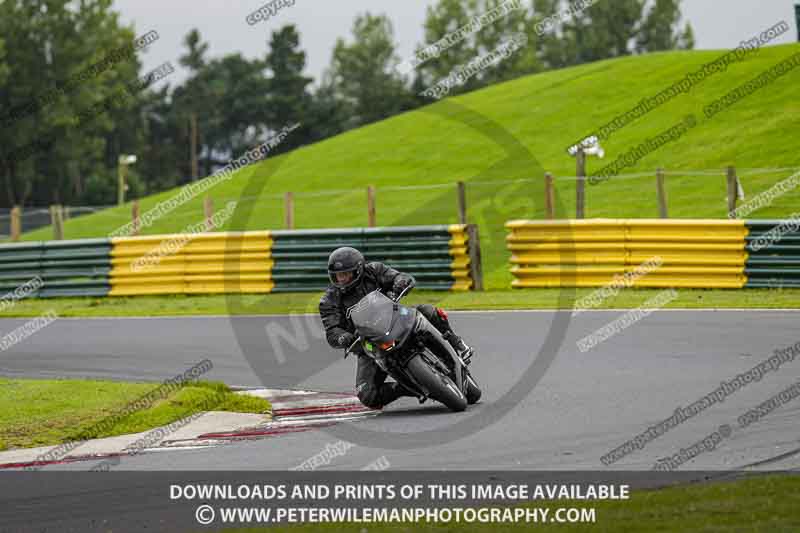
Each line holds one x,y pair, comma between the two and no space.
773,248
65,268
315,286
437,256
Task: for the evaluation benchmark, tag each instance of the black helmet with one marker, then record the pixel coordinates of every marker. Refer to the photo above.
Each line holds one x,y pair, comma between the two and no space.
346,259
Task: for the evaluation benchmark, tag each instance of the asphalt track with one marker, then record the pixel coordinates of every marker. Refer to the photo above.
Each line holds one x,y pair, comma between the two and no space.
584,405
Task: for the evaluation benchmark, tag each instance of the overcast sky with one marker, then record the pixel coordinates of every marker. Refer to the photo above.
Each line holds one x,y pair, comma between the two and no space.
717,24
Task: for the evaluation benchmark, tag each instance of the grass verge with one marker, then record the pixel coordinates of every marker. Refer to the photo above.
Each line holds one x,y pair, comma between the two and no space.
762,503
254,304
37,412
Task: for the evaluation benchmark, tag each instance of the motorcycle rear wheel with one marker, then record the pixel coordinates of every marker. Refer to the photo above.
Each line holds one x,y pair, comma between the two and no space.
438,386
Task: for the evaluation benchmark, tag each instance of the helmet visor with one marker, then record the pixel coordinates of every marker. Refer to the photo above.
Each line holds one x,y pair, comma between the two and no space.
344,278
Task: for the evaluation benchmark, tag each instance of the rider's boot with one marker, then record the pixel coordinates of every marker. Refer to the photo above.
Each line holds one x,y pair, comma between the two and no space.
442,323
464,351
379,396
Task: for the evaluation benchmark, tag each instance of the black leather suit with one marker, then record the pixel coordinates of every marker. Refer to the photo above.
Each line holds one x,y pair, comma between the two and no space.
370,378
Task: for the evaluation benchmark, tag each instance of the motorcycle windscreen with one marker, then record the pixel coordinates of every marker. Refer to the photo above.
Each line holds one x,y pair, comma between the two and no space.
372,315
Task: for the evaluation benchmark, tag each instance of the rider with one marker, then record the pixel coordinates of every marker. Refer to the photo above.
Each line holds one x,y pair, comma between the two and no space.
351,279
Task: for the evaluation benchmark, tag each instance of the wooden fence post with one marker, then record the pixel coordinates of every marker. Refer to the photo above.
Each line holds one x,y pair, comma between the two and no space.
732,190
16,223
549,196
371,206
662,194
121,170
288,209
208,212
57,221
60,215
474,250
580,186
462,202
193,145
135,218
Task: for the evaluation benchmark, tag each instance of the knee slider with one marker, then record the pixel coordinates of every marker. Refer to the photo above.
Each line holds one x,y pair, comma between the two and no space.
428,311
435,315
370,397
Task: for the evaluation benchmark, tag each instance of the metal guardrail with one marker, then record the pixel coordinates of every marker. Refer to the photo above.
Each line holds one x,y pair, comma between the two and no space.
595,252
439,257
773,258
201,263
66,268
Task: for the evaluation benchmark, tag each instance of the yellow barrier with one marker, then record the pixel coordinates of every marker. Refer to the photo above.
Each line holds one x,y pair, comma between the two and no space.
595,252
192,263
459,251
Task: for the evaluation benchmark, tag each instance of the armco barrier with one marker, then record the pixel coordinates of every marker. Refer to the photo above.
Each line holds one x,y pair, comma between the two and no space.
192,264
284,261
437,256
66,268
773,248
589,253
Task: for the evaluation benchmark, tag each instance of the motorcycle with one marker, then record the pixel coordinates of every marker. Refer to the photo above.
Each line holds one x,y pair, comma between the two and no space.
405,345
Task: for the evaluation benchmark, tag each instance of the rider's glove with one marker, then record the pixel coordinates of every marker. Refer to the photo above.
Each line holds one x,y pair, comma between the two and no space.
345,340
400,284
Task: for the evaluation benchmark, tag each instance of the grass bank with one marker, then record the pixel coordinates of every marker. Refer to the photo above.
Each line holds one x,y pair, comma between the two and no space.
280,303
35,412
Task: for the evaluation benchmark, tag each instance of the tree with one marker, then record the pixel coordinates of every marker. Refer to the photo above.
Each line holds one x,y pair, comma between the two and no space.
364,73
60,129
611,28
193,101
516,26
446,17
327,115
551,44
686,40
238,107
3,65
289,101
660,29
471,30
604,30
163,146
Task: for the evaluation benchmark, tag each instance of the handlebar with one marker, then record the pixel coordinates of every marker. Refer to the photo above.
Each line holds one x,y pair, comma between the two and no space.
349,350
408,288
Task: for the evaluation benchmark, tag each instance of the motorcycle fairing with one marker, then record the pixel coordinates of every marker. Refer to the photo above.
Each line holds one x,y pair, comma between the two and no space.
379,319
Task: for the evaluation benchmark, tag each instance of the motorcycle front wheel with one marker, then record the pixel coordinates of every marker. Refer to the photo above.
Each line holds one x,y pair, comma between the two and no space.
438,386
473,392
